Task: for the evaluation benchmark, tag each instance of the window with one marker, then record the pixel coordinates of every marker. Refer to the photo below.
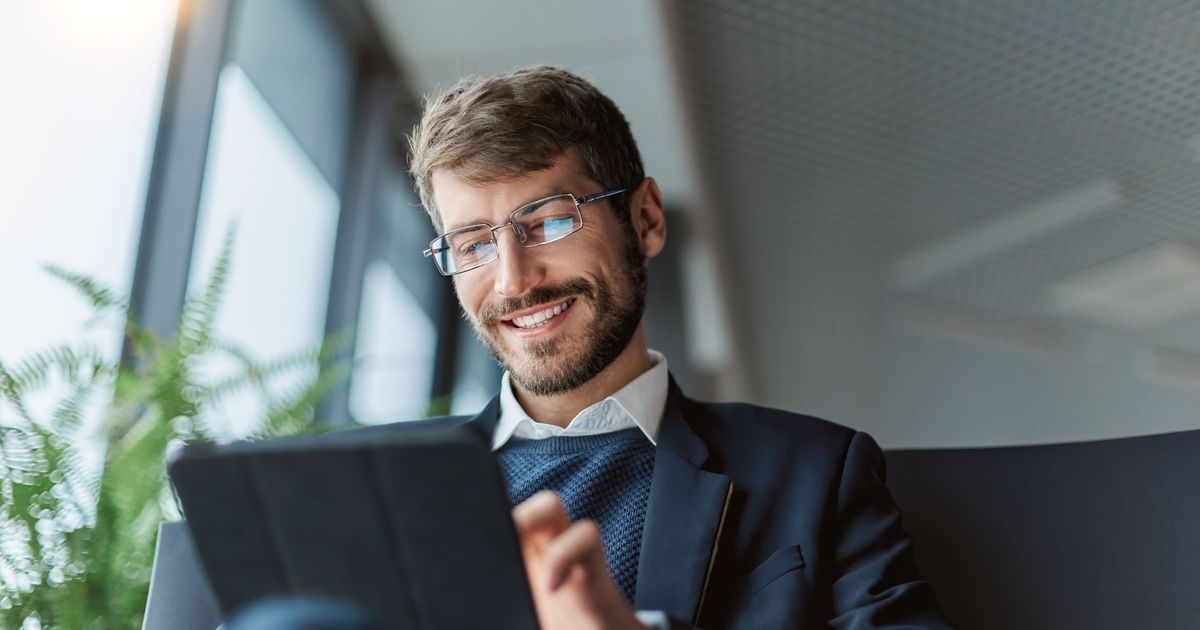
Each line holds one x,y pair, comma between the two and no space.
397,331
274,172
82,84
393,372
260,181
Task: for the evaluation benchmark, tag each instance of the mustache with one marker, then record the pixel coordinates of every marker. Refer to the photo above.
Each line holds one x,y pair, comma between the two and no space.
491,314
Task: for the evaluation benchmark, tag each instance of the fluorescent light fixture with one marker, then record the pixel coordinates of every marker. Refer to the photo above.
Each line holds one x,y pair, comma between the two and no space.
973,325
1005,232
1140,291
1181,368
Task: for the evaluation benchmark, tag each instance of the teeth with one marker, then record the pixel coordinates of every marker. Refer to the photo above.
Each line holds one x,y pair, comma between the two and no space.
539,319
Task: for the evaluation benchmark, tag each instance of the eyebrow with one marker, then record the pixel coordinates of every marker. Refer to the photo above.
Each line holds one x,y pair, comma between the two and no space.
552,192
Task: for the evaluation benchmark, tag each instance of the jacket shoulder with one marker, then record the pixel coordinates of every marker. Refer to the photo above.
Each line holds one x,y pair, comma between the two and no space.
766,423
762,441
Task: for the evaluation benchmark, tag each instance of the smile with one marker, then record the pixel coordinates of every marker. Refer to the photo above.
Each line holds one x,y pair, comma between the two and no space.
542,317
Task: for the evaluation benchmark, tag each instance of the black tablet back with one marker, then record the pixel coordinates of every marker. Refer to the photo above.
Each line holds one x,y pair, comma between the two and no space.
413,526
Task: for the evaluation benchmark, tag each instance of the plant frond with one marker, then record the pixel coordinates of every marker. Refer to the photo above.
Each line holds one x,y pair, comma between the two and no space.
68,362
103,529
68,415
294,413
101,297
211,394
21,453
142,341
251,369
263,372
127,511
200,311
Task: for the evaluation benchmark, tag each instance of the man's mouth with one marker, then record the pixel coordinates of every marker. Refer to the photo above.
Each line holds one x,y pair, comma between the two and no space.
540,318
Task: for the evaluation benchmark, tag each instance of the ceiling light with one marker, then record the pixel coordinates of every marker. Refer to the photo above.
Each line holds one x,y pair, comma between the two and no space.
1140,291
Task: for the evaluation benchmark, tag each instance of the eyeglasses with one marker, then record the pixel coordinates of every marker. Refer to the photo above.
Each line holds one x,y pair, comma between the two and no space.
537,223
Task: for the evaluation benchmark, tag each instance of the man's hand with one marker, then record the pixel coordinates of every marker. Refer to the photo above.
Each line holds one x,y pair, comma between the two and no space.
567,569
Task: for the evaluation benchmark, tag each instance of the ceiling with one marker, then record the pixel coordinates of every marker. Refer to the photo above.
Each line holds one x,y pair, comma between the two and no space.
969,155
617,45
861,165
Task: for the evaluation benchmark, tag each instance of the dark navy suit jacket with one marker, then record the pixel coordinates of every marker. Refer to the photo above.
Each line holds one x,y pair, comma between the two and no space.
760,518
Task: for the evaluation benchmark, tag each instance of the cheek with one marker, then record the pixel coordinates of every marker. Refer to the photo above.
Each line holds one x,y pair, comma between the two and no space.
591,257
471,296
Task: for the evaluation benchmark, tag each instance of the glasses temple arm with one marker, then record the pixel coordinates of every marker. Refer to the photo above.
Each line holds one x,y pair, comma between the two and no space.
603,195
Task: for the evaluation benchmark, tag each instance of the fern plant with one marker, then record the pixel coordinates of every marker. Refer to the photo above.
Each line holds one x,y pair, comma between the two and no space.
77,544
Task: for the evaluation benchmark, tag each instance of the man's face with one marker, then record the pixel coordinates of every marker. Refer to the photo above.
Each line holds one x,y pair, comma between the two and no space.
555,315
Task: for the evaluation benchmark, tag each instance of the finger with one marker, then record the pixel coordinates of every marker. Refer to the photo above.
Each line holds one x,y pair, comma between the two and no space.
579,545
543,511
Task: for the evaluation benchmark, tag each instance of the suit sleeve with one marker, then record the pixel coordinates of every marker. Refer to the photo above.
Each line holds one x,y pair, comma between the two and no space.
876,583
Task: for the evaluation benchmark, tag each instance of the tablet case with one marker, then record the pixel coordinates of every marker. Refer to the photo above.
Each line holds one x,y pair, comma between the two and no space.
414,526
180,597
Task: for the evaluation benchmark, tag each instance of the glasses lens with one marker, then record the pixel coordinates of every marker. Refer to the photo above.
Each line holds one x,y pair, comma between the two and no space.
548,220
467,248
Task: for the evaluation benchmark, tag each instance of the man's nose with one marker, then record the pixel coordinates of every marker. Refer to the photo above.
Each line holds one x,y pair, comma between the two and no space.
515,272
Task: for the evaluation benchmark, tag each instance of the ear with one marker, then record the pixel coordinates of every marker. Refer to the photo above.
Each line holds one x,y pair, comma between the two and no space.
649,220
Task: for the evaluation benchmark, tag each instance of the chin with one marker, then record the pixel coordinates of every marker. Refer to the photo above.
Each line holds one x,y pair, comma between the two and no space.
543,373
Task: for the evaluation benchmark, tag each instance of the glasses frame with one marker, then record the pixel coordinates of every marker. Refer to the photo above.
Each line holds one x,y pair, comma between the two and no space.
511,224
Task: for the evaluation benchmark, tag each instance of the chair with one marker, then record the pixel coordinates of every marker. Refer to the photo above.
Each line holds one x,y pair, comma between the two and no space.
1090,535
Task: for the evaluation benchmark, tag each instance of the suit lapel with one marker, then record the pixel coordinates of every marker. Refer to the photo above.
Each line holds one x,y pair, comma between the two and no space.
684,517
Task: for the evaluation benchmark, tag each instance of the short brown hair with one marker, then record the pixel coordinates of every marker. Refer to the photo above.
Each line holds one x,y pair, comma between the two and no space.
491,129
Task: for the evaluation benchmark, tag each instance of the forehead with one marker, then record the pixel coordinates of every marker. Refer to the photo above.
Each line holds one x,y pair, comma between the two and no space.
461,202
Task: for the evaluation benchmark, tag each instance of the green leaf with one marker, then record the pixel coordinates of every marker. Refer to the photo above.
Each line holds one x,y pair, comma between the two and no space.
67,362
200,311
100,296
294,413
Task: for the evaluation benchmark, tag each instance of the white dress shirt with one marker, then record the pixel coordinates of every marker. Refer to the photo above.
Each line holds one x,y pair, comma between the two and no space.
639,404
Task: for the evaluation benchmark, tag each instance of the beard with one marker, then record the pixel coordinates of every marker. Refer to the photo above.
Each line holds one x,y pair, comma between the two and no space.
551,366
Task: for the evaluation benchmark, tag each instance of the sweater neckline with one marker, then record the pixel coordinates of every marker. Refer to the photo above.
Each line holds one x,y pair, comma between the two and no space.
565,444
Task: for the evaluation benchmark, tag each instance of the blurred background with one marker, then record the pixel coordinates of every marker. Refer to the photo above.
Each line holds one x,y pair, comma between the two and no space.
947,223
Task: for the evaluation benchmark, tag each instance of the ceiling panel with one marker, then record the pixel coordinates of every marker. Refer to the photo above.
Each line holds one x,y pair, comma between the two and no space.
617,45
848,137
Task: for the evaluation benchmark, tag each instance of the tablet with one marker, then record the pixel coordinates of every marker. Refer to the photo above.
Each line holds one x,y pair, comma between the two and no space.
413,525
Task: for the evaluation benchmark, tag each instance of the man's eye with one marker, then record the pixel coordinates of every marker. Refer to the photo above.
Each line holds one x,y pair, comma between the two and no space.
474,248
557,227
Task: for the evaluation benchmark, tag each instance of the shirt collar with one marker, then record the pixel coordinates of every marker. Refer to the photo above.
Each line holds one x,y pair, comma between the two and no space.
639,404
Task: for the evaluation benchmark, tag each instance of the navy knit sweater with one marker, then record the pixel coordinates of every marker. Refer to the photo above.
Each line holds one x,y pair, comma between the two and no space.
605,478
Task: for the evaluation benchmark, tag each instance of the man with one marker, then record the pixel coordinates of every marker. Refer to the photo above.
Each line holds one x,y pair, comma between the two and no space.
714,515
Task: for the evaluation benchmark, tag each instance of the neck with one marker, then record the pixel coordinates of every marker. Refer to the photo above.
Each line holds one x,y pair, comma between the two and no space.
560,409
